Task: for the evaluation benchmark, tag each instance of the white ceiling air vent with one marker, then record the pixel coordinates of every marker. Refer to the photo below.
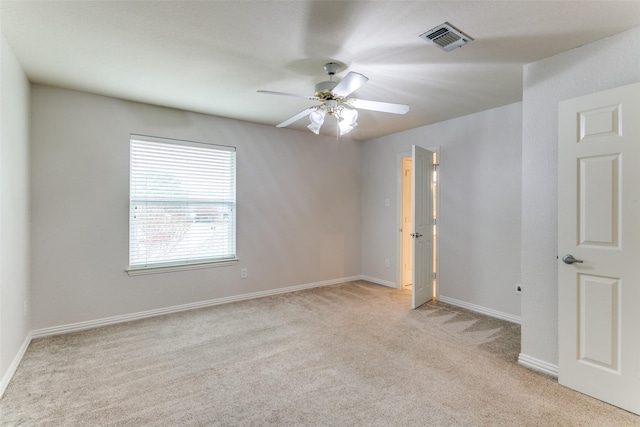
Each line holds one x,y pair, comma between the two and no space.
446,37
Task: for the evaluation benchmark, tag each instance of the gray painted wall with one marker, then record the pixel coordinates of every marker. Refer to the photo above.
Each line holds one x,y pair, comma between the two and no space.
479,249
602,65
298,208
14,207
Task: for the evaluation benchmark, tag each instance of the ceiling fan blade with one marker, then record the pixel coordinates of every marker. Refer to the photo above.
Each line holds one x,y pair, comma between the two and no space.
296,117
350,83
384,107
295,95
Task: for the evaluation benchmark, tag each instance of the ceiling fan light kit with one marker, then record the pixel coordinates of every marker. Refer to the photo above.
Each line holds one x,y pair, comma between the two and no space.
335,102
317,119
346,118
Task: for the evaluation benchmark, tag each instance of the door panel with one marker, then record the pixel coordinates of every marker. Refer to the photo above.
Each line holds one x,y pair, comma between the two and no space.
422,233
599,224
599,308
599,200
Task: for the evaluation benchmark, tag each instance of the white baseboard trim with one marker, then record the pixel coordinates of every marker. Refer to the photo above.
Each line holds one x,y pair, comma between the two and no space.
538,365
479,309
380,282
6,378
73,327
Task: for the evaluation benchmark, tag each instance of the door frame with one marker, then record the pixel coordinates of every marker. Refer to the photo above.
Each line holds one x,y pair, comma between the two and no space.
436,247
404,206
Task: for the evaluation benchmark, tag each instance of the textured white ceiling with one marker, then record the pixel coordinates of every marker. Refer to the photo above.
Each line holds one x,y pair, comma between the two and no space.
212,56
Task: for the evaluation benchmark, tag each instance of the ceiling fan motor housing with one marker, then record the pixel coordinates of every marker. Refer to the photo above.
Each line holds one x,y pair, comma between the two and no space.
324,89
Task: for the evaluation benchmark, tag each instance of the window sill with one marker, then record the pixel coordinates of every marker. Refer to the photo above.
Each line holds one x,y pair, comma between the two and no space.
139,271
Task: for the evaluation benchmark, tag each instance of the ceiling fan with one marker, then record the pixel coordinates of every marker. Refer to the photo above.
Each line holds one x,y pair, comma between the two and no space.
334,102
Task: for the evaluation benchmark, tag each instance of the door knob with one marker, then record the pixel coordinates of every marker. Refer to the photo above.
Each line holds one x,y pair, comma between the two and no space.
415,235
569,259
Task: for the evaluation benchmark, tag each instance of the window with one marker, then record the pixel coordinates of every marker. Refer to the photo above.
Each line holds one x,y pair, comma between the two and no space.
182,204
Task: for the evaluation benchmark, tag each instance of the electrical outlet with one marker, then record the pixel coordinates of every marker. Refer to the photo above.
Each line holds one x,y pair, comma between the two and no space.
386,263
518,289
243,273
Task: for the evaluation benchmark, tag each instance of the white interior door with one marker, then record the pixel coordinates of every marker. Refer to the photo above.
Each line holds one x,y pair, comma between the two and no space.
421,227
599,226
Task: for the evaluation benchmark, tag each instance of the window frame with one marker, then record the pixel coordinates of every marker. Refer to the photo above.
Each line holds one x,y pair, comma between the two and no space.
180,265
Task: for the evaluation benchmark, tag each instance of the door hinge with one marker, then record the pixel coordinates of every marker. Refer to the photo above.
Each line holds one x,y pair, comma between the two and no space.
435,221
435,166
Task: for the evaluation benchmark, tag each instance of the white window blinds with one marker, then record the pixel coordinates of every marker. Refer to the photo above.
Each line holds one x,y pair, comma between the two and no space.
182,202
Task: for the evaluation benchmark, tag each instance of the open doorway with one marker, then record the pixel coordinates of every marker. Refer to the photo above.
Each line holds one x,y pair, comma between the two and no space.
405,213
405,230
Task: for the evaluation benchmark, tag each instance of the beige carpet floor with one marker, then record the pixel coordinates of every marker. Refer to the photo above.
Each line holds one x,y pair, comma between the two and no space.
352,354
